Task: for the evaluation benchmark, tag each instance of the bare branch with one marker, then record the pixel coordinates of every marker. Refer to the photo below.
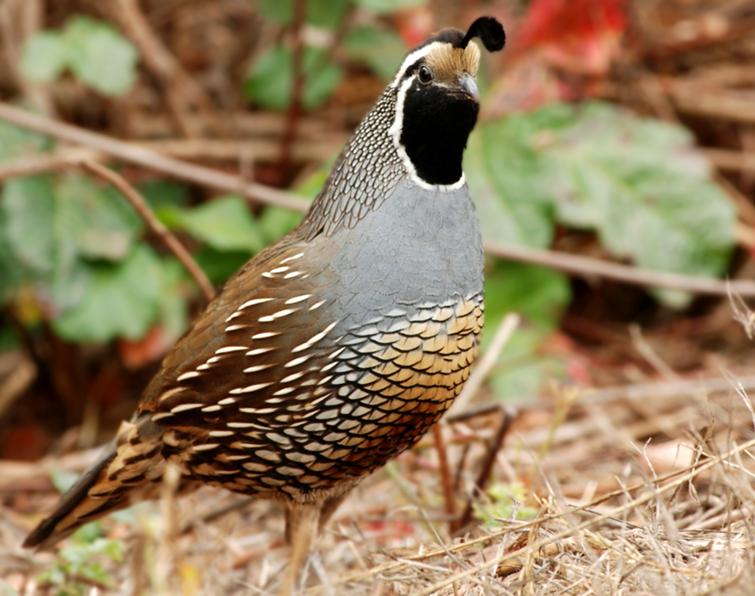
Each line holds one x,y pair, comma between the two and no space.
588,267
150,159
45,162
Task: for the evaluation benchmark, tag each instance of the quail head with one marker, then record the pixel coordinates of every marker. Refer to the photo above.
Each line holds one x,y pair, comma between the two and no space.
337,348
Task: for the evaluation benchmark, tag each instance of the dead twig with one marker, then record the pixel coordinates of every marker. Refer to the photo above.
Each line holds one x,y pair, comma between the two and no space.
150,159
153,224
45,162
486,469
589,267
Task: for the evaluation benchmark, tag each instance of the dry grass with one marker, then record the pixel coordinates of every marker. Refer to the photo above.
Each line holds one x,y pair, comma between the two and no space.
616,513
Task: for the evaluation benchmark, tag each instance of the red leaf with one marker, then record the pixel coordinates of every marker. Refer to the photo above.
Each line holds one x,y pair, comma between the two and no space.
576,35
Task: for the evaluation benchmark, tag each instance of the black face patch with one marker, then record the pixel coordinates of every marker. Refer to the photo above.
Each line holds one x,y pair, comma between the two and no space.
436,125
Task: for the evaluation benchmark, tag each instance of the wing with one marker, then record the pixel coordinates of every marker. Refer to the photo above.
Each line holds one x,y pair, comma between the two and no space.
256,353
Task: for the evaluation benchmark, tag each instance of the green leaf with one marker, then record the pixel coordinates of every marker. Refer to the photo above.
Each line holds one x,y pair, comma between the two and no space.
122,300
538,294
224,223
276,223
44,57
172,302
386,6
100,56
220,265
321,13
380,49
101,222
636,181
639,183
270,82
507,183
159,193
28,213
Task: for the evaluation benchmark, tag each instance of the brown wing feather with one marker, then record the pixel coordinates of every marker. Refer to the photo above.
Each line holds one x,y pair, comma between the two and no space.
248,350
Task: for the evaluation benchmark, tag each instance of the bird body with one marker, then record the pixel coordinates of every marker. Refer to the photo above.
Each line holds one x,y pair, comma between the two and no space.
334,350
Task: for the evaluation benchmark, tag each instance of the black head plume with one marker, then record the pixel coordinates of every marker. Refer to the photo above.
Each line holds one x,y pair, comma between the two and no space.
490,32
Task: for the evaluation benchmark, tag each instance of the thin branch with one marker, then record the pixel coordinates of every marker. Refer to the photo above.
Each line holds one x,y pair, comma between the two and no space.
151,160
486,469
45,162
573,264
155,226
589,267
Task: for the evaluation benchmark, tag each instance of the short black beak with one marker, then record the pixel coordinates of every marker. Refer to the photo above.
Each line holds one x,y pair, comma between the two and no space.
469,86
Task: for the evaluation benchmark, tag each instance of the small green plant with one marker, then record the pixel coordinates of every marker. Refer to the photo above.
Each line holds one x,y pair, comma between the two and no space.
506,503
82,562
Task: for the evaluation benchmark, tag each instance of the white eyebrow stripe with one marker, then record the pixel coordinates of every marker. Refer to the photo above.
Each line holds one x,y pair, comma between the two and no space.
412,58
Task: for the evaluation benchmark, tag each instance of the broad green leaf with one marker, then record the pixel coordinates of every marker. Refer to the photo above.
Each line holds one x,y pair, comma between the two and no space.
12,274
100,56
28,207
381,50
639,183
44,57
386,6
100,221
16,142
121,300
507,185
225,224
636,181
270,81
278,11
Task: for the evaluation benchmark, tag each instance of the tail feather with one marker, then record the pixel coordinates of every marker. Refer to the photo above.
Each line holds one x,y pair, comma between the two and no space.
76,507
126,466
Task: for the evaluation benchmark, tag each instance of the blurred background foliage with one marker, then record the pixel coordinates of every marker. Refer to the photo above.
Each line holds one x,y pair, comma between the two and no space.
588,143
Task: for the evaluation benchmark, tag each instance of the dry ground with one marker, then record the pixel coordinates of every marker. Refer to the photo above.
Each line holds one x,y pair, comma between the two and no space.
597,508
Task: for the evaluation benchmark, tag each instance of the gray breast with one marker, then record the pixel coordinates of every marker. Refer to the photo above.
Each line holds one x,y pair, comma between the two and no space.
419,246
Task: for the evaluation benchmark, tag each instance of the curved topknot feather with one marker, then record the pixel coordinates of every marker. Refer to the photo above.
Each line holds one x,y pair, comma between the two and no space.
490,32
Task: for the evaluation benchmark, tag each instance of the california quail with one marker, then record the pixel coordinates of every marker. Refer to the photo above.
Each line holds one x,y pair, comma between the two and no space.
337,348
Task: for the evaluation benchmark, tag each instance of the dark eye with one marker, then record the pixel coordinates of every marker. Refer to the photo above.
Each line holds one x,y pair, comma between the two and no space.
425,74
